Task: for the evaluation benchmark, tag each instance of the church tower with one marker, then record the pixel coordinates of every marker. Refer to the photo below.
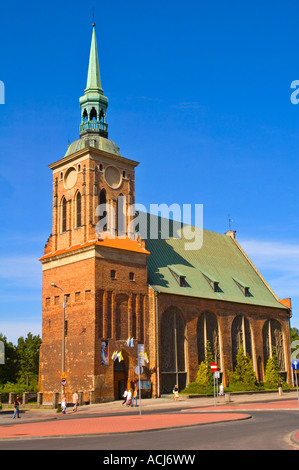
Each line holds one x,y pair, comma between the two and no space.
94,268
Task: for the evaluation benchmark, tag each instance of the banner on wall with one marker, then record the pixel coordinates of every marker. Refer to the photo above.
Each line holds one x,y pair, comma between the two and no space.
104,353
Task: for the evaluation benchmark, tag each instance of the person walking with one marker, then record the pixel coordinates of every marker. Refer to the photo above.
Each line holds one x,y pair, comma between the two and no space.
63,404
134,399
221,390
125,396
75,401
175,393
129,396
279,385
17,404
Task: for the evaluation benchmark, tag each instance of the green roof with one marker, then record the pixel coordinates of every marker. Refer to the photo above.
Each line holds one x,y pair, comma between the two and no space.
219,270
98,142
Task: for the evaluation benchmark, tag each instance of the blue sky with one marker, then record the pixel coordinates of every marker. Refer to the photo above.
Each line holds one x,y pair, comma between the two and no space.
199,94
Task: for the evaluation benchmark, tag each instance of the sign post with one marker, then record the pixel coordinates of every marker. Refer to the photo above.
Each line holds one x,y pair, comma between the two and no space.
214,368
140,352
295,367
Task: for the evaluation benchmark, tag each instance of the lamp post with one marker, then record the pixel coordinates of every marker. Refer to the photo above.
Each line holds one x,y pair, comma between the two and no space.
63,337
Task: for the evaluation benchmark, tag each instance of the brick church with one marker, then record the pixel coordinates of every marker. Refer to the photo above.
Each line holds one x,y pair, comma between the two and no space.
107,291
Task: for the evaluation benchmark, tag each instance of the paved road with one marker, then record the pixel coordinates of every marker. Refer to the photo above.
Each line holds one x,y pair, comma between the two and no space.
270,426
264,431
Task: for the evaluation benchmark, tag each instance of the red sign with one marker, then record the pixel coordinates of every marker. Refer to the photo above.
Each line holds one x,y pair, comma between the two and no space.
214,367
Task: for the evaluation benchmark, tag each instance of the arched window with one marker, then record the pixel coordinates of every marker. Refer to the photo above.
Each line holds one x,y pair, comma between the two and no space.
273,343
120,216
93,115
207,331
85,115
63,214
78,209
173,350
102,201
241,336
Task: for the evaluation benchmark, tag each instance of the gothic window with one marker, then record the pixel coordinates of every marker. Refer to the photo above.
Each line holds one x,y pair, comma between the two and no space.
273,342
173,350
241,335
93,115
102,202
63,215
78,209
207,330
120,216
85,115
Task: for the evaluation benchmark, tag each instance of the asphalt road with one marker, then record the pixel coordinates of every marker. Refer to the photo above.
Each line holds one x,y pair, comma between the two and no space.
266,430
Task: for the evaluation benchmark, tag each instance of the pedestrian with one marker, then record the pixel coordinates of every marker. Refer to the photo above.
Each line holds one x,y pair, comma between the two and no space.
75,401
221,390
17,404
279,388
125,396
63,404
175,393
134,399
129,396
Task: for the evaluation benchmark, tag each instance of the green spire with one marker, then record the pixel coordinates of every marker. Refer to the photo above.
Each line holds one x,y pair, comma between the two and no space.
93,76
93,103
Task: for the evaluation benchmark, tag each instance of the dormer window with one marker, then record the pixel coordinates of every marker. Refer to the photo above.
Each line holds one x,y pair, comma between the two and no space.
179,277
243,287
212,282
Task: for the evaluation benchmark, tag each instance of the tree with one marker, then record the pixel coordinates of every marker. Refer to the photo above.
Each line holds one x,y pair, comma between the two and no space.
28,358
244,374
202,378
272,376
204,375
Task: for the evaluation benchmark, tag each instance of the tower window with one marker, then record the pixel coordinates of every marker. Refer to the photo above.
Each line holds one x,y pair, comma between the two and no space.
85,115
124,174
78,210
79,167
93,115
132,276
63,215
113,274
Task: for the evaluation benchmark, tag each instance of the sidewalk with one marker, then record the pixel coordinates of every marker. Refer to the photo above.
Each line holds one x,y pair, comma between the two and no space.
101,418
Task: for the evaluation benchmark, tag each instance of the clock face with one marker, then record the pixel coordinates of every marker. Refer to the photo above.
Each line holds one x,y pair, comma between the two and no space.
70,178
113,177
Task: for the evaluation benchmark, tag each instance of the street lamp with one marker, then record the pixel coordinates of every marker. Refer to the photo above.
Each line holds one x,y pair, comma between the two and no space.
63,336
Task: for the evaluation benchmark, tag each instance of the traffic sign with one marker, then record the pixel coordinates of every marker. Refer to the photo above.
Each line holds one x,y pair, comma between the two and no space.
63,375
214,367
295,364
63,382
138,370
